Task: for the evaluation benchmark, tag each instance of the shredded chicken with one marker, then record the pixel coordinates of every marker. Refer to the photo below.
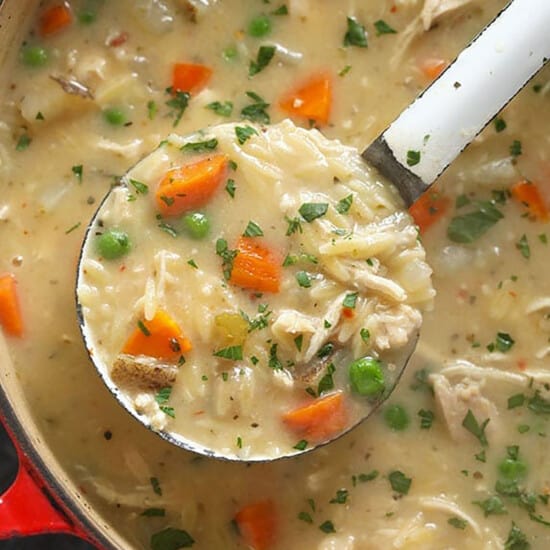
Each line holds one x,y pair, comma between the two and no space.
454,401
434,9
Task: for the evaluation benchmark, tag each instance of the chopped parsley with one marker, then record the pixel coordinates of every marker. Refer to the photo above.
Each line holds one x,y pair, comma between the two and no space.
152,109
341,497
244,133
141,188
263,58
426,419
515,148
471,423
365,335
523,246
517,540
327,527
233,353
469,227
413,157
457,522
171,539
230,187
221,108
78,171
143,328
73,227
253,230
274,362
399,482
167,228
344,204
312,210
298,342
155,484
503,343
301,445
256,111
281,10
492,505
305,516
154,512
162,397
192,263
23,142
383,28
364,478
500,124
294,225
355,34
227,256
327,382
350,300
516,400
178,103
200,146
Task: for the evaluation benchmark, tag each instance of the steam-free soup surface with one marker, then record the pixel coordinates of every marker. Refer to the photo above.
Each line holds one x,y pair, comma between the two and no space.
457,457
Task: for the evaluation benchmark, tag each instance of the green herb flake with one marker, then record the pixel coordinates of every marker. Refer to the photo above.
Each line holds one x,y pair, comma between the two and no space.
355,34
303,279
239,442
253,230
523,428
155,484
481,456
515,148
327,382
475,428
345,70
274,362
312,210
350,300
141,188
169,411
153,513
517,540
500,124
39,116
298,342
503,343
233,353
294,225
263,58
305,516
257,110
364,478
171,539
383,28
462,200
178,103
168,228
399,482
470,227
516,400
413,157
365,335
23,142
78,171
244,133
301,445
327,527
224,108
200,146
457,522
341,497
227,256
344,204
426,419
538,404
152,109
491,506
230,187
73,228
163,395
523,246
281,10
543,238
143,328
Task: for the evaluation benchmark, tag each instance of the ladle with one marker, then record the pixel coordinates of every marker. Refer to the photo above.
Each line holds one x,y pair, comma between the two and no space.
421,143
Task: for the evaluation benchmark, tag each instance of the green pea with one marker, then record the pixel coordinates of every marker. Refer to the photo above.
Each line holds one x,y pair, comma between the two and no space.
396,417
113,244
259,26
196,224
114,116
34,56
512,469
367,377
87,16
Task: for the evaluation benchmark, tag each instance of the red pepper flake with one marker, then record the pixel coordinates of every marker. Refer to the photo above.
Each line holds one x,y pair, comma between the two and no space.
393,9
118,40
522,364
122,268
348,313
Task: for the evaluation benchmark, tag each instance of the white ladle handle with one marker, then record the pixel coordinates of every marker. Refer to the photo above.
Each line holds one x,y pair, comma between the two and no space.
458,105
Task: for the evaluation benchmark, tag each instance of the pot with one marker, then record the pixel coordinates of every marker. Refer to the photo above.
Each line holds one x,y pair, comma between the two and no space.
42,499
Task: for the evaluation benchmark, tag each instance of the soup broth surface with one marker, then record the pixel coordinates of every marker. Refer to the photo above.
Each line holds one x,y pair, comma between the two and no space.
457,458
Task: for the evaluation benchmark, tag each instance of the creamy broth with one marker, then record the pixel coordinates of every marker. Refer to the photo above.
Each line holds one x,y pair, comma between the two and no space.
268,330
484,343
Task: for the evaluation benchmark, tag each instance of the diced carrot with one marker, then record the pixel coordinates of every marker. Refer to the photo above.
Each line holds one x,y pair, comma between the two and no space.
311,100
257,524
256,267
429,208
320,419
10,311
189,77
55,19
161,337
528,194
431,68
190,186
